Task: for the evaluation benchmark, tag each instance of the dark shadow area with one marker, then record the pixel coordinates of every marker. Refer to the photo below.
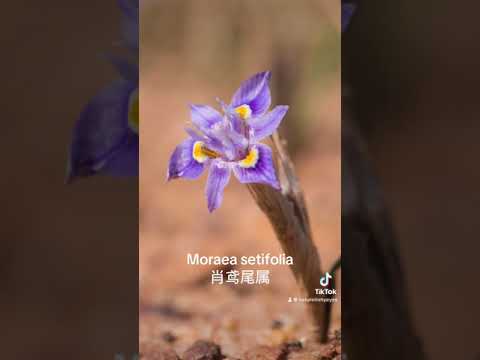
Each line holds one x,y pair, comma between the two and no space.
68,253
410,73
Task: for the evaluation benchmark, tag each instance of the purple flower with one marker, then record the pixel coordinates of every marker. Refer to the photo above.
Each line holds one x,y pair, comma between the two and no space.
230,142
347,11
105,136
130,22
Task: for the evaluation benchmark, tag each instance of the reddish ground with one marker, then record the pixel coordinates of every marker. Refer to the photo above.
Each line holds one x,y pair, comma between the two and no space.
178,306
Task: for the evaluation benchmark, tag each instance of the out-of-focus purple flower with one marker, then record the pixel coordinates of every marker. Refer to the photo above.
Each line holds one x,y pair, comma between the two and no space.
347,11
130,23
230,142
105,136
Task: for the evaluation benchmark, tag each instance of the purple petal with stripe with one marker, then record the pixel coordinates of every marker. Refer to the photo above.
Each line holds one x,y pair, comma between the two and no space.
218,178
204,116
182,164
194,134
254,92
237,124
263,172
266,125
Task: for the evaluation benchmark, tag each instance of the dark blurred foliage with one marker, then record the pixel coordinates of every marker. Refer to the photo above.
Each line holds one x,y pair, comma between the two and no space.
411,71
68,254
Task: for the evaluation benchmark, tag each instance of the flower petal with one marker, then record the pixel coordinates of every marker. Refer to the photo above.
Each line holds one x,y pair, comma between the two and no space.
182,163
266,125
126,69
212,143
130,12
129,7
101,131
125,160
204,116
347,12
218,178
194,134
257,167
223,139
255,93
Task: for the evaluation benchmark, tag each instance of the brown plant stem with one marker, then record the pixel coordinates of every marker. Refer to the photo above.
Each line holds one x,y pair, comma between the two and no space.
287,212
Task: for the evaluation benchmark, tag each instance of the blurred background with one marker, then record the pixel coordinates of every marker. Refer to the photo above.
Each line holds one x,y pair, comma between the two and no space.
68,254
412,71
191,52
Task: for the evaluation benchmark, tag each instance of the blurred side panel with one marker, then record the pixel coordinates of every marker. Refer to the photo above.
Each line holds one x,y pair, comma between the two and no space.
68,253
411,75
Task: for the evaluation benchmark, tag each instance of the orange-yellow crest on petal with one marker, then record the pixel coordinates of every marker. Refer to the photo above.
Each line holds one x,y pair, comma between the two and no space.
244,111
133,111
250,160
201,153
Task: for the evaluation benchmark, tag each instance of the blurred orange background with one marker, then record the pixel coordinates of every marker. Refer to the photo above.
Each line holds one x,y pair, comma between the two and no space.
192,53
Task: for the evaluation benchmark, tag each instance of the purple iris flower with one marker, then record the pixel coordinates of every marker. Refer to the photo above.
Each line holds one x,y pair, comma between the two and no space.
105,136
347,11
230,142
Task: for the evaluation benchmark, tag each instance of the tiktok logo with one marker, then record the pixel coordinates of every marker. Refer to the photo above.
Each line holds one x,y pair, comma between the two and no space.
324,281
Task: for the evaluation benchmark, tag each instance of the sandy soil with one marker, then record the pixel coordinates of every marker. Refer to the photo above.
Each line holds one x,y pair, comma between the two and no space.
178,305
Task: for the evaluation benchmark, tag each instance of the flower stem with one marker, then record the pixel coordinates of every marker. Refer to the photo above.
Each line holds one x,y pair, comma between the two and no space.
288,215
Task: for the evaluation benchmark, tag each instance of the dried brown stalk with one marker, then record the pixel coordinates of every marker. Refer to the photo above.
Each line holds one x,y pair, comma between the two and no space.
288,215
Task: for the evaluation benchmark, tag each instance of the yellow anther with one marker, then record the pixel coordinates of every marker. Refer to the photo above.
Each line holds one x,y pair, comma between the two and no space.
244,111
